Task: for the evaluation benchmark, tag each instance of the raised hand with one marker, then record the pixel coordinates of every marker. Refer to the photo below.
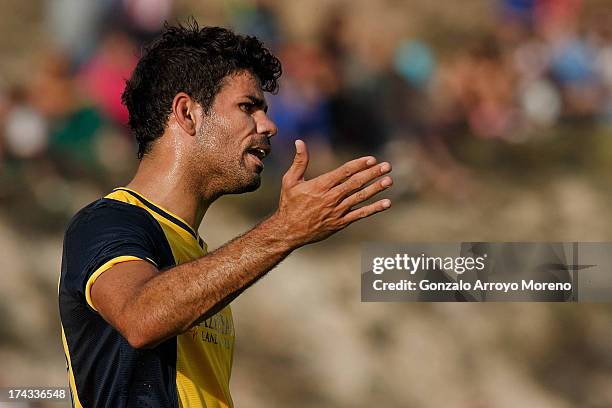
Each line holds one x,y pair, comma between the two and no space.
313,210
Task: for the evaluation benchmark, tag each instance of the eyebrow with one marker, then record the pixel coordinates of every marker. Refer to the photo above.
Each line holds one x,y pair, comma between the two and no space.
258,102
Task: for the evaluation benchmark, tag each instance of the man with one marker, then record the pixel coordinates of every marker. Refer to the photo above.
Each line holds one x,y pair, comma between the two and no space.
145,310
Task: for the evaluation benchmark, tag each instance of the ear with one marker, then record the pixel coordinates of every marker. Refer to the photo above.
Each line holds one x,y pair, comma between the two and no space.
185,111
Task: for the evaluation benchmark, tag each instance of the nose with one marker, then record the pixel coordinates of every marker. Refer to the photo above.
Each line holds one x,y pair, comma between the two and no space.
265,125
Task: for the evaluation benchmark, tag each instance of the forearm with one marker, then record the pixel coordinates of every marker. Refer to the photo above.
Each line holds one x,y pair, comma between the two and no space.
171,302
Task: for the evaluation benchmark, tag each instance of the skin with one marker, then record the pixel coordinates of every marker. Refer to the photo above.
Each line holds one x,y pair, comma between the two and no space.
199,158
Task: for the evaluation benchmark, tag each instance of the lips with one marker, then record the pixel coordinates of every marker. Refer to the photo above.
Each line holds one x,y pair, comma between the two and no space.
258,154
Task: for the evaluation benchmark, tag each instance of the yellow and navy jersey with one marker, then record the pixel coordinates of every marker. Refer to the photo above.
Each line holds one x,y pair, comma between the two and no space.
190,370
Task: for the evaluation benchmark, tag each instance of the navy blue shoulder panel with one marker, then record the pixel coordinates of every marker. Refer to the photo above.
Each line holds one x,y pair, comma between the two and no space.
108,372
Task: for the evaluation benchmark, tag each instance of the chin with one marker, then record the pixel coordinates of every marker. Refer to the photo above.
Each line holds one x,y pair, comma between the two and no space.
254,184
247,186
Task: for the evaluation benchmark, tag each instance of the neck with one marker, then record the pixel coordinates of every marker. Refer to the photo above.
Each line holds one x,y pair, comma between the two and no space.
168,185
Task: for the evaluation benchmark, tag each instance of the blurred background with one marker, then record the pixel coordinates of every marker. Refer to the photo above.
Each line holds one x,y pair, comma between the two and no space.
497,118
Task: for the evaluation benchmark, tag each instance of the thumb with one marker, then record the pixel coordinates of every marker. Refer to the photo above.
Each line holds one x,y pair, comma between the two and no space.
299,165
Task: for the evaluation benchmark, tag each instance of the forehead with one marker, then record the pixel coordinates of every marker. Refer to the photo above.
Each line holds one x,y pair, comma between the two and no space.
240,84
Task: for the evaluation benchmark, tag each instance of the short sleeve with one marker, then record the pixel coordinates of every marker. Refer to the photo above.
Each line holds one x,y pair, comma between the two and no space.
103,235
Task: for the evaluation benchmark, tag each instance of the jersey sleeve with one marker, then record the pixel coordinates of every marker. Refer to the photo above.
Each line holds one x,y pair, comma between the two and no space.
103,236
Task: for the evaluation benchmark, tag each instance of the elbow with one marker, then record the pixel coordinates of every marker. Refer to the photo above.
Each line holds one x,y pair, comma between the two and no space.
139,342
135,330
137,339
140,331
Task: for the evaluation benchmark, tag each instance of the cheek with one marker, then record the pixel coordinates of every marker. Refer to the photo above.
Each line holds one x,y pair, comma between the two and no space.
224,135
213,133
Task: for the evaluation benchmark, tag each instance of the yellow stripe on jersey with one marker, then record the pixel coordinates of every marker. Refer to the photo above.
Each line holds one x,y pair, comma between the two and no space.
173,232
73,389
103,269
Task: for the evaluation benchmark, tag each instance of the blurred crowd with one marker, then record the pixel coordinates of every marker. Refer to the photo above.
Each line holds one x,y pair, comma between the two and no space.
541,64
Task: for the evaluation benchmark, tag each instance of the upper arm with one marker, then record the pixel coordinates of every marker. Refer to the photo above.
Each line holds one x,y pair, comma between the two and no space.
113,290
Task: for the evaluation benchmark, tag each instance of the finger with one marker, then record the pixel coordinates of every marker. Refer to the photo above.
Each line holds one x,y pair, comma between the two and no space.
366,193
345,171
358,180
367,210
296,172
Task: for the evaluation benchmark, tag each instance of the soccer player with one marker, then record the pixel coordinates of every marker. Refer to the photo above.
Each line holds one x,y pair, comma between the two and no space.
145,312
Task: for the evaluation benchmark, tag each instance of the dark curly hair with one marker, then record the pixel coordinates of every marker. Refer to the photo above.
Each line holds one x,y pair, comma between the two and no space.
194,60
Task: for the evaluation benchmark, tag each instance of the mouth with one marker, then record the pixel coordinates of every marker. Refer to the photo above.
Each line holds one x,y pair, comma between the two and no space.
258,154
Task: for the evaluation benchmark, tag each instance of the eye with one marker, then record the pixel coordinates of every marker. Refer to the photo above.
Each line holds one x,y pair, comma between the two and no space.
246,106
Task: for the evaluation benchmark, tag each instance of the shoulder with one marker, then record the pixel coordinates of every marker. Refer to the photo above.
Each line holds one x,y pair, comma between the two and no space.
106,224
108,214
108,230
